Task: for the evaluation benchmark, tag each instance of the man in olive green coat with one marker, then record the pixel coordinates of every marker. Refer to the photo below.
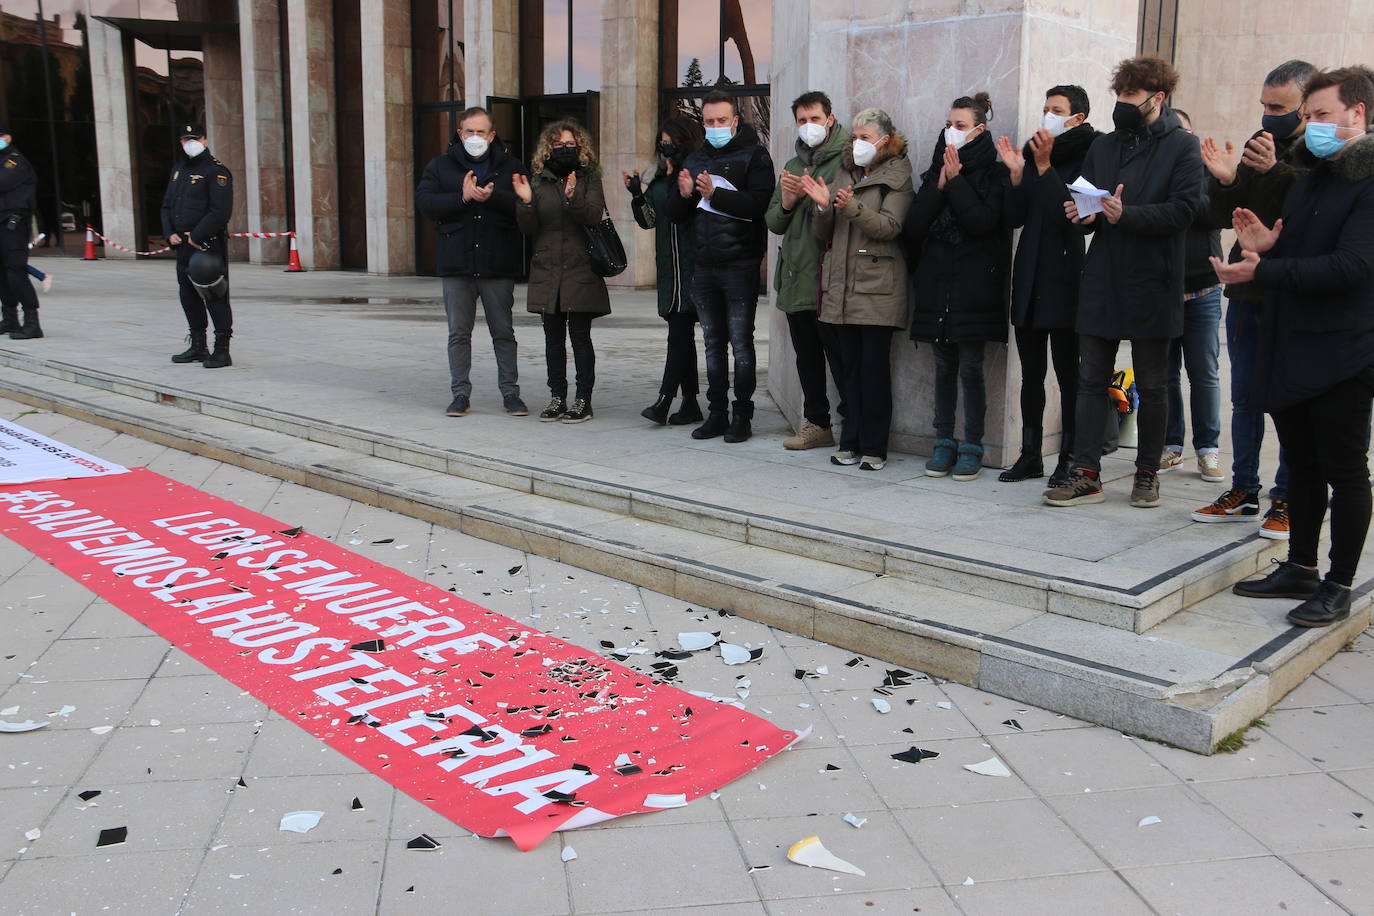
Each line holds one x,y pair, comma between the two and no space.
820,141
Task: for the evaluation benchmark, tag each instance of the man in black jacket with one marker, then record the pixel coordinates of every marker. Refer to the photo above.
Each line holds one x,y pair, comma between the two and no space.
724,190
468,192
18,196
1132,287
195,214
1315,371
1257,179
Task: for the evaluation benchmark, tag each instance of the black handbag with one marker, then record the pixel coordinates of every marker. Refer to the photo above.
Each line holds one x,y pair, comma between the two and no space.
604,248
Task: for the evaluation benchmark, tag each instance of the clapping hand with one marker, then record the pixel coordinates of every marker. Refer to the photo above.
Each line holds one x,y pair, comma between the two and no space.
1260,153
1012,158
521,184
1252,234
950,167
705,185
684,182
1112,207
1243,271
816,189
633,183
1042,144
570,185
842,197
792,190
1221,162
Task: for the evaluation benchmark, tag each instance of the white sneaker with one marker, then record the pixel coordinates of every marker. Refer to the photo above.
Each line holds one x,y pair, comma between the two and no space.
844,457
1209,466
47,283
872,463
1169,460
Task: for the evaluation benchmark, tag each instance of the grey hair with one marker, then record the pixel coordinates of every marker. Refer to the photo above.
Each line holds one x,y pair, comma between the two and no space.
1291,71
875,116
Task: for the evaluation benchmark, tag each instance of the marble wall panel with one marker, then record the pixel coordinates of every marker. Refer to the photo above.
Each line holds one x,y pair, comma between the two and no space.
492,60
264,134
113,133
224,124
310,44
629,122
388,141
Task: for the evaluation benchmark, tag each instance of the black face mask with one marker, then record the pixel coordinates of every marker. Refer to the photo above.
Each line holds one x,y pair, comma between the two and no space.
1281,126
562,160
1126,116
670,152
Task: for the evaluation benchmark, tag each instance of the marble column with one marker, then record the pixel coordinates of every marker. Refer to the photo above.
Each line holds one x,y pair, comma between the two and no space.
310,44
629,121
224,125
264,128
913,58
113,135
492,42
388,137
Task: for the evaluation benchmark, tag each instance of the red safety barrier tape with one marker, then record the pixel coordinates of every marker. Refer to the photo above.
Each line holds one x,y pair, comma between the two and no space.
237,235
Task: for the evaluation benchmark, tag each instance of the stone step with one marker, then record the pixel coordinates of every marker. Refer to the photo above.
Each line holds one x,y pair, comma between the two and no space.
1189,681
1148,584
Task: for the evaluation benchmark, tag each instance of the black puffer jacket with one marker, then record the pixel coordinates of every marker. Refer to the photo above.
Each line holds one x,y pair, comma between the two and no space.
18,183
476,238
1133,277
200,198
1049,256
739,238
960,241
1317,325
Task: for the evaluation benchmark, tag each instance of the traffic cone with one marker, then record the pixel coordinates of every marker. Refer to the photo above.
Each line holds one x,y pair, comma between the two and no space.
293,263
90,246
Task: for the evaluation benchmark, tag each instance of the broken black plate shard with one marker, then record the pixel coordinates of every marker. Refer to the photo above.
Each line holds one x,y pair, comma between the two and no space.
112,836
423,841
854,661
831,766
356,718
478,731
536,731
221,555
242,784
560,798
88,794
799,673
629,769
369,645
385,541
293,532
513,570
582,767
607,644
915,755
357,804
436,716
909,731
337,871
673,655
358,680
1014,724
898,678
411,889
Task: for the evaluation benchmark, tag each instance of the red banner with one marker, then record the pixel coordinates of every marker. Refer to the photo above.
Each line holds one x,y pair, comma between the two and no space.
501,728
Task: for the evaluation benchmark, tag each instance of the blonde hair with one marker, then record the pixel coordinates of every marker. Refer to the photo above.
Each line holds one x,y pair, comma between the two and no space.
551,134
876,116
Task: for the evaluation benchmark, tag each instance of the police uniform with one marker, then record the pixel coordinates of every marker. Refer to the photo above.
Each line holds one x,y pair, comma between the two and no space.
197,207
18,197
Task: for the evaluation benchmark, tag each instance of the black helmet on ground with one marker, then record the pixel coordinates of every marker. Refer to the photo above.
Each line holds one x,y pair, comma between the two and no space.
209,274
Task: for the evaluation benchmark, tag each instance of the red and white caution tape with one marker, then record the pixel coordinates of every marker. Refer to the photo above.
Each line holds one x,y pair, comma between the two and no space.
262,235
237,235
121,247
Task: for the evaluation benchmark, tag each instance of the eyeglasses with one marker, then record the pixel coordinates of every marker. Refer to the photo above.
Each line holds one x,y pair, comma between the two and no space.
564,144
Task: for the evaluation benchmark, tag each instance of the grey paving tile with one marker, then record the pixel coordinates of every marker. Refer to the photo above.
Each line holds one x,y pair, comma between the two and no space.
178,814
1053,895
1335,737
1238,887
102,620
179,664
1291,814
1361,781
295,877
1080,760
253,815
47,757
857,722
990,713
41,887
285,749
1315,692
1262,755
97,702
939,780
101,659
1352,673
195,700
1344,875
798,783
410,818
509,882
159,753
931,901
23,809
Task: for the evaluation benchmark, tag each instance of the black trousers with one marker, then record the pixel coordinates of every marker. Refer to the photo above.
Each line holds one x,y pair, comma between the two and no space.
15,287
196,308
867,354
1097,362
576,326
1035,347
816,345
680,366
1326,439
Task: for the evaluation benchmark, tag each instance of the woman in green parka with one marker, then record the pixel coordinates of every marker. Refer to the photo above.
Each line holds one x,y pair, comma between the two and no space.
677,138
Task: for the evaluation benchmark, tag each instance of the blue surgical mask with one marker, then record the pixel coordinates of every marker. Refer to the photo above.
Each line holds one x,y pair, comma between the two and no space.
1321,139
4,143
718,136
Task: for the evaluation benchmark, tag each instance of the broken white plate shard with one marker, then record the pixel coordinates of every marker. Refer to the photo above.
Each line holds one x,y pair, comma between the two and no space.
944,704
64,712
881,705
33,834
623,760
968,881
300,821
691,642
811,853
1147,821
822,669
101,729
990,767
568,854
855,821
9,711
28,726
654,800
732,654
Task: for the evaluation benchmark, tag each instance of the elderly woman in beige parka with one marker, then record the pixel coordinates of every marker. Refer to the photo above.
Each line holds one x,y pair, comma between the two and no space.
863,276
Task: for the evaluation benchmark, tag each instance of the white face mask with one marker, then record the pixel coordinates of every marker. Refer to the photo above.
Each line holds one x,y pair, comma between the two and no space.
193,148
864,152
1054,123
813,135
956,138
475,146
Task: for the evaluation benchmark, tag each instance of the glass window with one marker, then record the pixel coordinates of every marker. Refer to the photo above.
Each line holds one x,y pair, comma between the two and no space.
722,41
437,27
748,40
572,62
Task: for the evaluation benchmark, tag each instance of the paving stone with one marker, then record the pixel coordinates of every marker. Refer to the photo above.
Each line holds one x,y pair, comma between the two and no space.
798,783
929,901
1316,692
857,723
1334,737
1238,887
939,780
101,659
1080,760
195,700
21,810
296,877
1343,875
97,702
508,882
47,757
102,620
285,749
180,814
1092,892
1262,755
1291,814
1351,673
200,752
990,713
1361,781
253,815
43,886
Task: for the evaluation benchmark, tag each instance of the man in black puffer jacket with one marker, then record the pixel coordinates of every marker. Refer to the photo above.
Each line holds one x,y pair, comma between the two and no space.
728,240
468,192
1132,285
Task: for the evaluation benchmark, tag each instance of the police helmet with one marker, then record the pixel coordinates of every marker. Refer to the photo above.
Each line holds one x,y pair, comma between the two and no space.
209,275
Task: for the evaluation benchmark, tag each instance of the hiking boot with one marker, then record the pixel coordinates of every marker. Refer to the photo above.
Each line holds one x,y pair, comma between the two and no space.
1061,472
1286,580
1145,490
810,436
579,412
1231,506
457,408
1169,459
1209,467
196,352
657,412
740,429
872,463
970,463
555,411
844,457
1275,524
688,412
1082,487
1330,604
942,461
219,357
717,422
515,406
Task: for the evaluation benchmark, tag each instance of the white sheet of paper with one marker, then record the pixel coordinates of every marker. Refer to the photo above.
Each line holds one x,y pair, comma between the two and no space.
705,204
1086,196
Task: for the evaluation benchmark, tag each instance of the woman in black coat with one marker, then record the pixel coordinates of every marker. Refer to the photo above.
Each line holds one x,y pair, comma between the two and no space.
960,241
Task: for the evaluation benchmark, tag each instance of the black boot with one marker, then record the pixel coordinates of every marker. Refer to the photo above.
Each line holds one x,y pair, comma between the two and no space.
1062,470
1287,580
657,412
688,412
740,429
1330,604
717,421
9,318
1030,464
30,328
220,357
196,352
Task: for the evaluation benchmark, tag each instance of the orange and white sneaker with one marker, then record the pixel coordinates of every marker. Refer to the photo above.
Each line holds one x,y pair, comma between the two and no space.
1275,525
1169,459
1231,506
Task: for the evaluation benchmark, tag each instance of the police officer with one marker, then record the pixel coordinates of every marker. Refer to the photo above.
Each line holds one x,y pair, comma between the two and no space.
18,195
195,214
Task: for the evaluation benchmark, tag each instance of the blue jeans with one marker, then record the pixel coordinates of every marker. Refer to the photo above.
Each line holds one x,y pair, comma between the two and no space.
1247,424
1199,350
960,365
726,298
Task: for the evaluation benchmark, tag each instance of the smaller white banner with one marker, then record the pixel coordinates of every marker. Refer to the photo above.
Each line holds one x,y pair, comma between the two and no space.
26,456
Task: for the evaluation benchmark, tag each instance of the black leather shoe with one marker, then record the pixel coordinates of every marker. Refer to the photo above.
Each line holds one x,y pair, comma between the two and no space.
688,412
1287,580
1330,604
1062,470
657,412
740,429
717,422
1027,467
